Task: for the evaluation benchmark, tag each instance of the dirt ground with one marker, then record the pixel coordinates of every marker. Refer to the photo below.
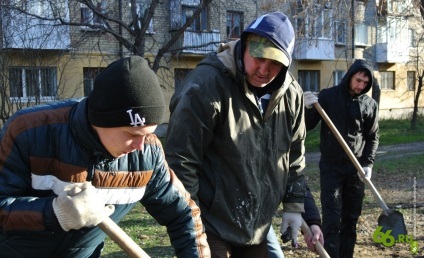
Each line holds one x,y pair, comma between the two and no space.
403,192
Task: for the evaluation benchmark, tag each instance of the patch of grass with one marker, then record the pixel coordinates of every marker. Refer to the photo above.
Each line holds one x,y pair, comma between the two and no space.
312,176
312,139
391,132
145,231
398,131
402,165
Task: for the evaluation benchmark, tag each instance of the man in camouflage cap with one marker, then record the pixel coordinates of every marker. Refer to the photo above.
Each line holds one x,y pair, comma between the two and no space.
261,47
236,138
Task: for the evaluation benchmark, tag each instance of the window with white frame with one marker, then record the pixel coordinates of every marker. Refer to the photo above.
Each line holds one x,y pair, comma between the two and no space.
394,30
361,34
315,23
337,77
42,8
33,7
32,83
390,6
200,23
387,80
300,21
398,6
398,29
89,17
327,23
410,80
309,80
142,7
300,27
234,24
411,36
340,32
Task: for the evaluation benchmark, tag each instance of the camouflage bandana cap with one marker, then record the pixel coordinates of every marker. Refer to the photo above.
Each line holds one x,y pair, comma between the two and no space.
263,48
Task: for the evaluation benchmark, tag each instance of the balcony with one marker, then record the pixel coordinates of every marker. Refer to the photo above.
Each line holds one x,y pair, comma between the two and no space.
393,38
314,49
197,42
22,31
392,53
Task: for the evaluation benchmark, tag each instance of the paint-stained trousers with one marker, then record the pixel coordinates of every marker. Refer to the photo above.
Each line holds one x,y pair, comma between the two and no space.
342,193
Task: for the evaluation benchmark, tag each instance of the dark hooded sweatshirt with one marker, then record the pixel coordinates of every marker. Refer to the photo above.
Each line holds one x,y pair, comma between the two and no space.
355,117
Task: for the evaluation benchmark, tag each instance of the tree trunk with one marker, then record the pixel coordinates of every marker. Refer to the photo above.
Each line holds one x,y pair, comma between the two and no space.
416,101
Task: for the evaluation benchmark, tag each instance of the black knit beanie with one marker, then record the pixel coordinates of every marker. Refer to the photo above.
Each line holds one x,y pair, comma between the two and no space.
126,93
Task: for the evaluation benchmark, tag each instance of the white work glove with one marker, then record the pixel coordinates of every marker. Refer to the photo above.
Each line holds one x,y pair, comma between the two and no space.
294,220
78,206
310,99
368,173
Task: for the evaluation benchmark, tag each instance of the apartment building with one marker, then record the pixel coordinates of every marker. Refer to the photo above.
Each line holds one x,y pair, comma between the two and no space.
53,49
331,34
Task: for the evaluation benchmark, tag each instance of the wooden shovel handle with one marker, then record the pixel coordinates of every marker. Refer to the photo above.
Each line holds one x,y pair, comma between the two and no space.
350,154
320,249
122,239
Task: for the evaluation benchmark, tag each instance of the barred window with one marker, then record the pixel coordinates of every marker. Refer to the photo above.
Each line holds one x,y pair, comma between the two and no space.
90,75
234,24
89,17
309,80
387,80
410,80
33,83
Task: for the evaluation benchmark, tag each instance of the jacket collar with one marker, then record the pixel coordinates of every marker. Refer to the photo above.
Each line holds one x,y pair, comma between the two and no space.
84,133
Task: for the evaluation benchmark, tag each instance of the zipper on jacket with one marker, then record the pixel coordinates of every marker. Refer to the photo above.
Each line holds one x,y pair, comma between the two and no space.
93,161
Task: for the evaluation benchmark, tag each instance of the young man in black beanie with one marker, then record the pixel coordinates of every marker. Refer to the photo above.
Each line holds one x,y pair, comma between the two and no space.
67,165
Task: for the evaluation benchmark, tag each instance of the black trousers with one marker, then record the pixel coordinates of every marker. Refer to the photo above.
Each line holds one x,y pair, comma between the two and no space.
342,193
222,249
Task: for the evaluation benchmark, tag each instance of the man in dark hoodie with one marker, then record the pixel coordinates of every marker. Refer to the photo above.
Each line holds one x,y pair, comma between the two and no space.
355,115
236,138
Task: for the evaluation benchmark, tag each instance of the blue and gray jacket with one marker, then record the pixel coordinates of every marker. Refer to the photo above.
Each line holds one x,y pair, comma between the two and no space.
41,144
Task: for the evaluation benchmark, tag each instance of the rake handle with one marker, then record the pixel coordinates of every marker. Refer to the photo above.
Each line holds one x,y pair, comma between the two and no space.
350,154
320,249
122,239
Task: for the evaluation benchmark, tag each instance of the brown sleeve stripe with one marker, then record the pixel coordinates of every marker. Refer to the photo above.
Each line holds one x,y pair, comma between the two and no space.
120,179
26,122
202,244
16,219
72,173
65,172
110,194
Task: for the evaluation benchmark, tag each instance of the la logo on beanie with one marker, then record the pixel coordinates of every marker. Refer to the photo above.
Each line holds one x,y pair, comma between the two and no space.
136,120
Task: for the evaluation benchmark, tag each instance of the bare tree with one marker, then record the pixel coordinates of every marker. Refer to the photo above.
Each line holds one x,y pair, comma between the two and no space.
106,29
28,76
128,30
419,66
416,100
31,27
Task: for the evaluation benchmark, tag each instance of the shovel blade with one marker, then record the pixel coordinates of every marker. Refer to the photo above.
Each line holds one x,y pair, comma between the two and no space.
394,221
